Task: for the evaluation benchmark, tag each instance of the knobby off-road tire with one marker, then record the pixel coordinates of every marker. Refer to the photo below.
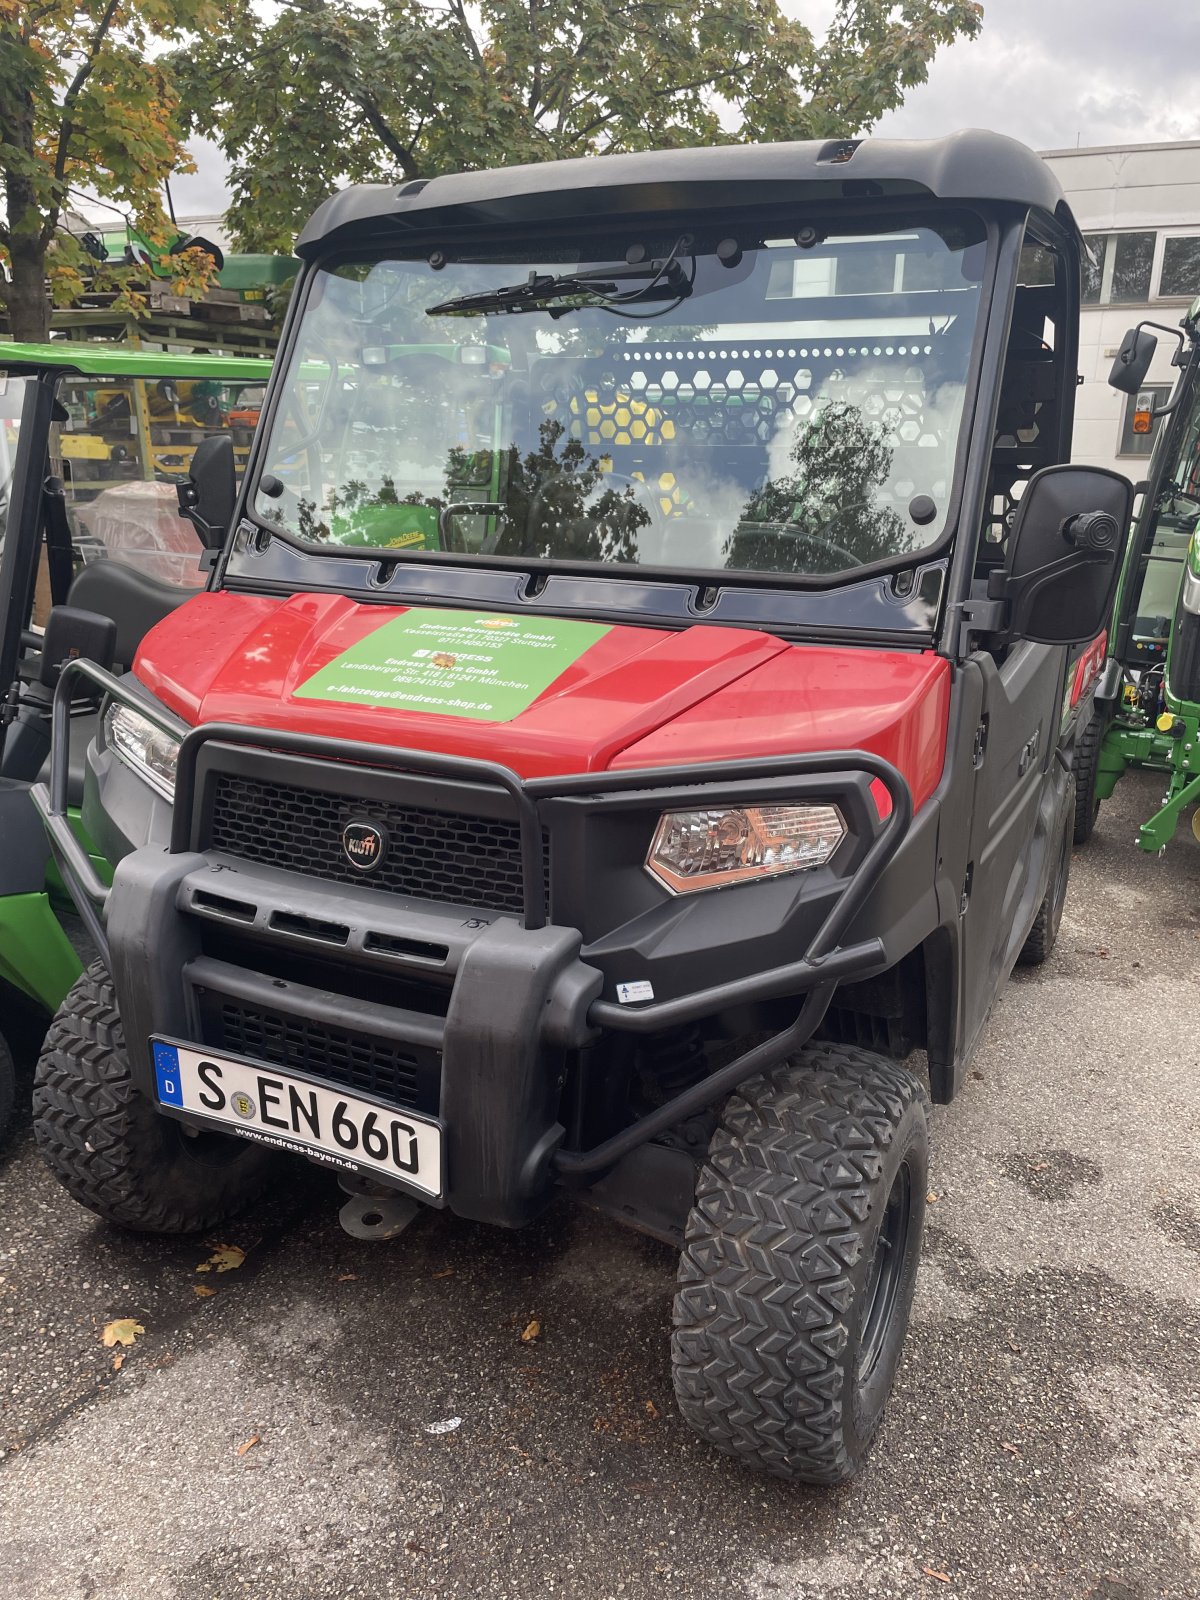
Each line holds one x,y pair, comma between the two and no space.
1043,936
107,1145
799,1263
1086,767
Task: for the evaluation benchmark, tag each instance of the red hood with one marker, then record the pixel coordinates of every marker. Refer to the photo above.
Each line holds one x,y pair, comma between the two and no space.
638,697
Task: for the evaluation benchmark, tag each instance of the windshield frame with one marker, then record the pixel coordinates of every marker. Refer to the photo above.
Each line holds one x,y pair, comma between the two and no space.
1181,433
886,216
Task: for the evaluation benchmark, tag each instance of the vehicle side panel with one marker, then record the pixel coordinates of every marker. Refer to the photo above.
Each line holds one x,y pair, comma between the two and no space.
1011,829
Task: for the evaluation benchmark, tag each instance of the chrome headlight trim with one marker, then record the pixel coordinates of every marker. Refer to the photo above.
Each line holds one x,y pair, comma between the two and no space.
143,747
717,847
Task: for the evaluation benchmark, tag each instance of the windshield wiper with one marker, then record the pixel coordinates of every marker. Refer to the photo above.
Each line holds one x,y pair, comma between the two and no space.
601,286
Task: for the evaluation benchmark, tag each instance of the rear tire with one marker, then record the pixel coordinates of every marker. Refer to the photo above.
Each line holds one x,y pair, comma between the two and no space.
109,1147
799,1263
1086,767
1043,936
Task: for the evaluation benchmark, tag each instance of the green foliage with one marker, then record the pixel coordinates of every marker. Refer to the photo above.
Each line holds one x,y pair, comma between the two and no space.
826,509
83,107
334,91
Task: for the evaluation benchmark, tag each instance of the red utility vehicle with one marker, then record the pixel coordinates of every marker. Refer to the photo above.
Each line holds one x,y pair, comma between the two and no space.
631,713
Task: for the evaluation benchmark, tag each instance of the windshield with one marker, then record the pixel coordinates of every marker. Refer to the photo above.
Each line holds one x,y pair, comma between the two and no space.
1176,515
1182,481
778,405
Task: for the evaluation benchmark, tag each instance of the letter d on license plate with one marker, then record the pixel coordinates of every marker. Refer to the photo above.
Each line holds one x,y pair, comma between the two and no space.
277,1108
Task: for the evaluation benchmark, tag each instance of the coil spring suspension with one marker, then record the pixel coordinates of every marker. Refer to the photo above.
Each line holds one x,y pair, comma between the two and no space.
675,1060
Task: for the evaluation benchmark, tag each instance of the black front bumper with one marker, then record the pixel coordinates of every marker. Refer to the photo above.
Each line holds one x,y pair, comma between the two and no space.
485,1008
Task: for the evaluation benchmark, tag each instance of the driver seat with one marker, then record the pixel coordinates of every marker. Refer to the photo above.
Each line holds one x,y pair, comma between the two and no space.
135,601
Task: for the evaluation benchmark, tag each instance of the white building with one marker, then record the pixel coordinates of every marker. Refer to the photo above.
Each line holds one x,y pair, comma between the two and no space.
1139,207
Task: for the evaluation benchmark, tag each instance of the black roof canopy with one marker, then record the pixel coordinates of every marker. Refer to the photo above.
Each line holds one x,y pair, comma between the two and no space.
970,166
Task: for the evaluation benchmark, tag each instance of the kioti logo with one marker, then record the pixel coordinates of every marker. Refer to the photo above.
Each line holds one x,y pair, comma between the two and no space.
363,845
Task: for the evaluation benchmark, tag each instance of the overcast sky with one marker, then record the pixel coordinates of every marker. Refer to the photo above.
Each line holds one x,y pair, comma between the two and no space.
1055,73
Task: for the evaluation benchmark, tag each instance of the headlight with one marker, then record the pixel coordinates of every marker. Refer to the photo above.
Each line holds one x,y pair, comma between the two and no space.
136,741
709,849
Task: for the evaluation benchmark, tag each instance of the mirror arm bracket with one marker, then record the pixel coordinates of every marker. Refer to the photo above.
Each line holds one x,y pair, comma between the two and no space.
977,618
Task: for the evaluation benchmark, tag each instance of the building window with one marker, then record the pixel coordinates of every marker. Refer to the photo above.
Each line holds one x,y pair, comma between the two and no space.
1093,270
1180,268
1128,265
1133,262
1141,444
1123,269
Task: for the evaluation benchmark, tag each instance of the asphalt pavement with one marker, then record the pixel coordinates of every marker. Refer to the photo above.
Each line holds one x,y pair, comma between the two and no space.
337,1420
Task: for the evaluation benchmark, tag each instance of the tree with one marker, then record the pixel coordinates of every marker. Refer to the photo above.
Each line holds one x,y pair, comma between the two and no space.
82,107
337,91
826,513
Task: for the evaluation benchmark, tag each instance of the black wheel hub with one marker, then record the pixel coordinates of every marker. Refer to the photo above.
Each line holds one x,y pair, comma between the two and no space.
885,1273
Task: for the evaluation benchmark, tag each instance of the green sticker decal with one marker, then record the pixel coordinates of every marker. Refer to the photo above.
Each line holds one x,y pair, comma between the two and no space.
454,663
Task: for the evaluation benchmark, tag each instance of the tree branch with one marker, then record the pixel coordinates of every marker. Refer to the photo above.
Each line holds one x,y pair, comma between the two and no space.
458,10
402,152
66,126
669,91
535,88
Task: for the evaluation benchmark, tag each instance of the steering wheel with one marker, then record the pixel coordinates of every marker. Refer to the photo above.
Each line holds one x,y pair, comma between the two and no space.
789,530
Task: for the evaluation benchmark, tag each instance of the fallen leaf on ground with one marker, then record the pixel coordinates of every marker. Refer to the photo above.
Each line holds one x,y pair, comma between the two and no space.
203,1290
225,1258
932,1572
124,1330
1013,1450
446,1272
348,1277
931,1198
448,1426
533,1331
249,1444
652,1410
118,1362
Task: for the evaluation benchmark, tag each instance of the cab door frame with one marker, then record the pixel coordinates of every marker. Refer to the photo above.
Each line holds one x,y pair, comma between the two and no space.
1021,787
23,535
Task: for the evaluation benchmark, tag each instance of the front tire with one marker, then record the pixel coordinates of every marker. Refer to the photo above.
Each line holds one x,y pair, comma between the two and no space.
799,1262
109,1147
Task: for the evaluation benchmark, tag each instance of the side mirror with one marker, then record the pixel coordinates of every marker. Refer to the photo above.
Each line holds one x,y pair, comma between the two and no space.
208,494
72,633
1133,360
1065,552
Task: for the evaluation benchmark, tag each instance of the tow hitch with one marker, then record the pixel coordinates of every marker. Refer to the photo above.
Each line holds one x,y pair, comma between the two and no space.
373,1212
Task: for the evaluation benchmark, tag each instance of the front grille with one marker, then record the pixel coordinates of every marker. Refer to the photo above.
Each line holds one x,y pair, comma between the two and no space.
431,855
356,1060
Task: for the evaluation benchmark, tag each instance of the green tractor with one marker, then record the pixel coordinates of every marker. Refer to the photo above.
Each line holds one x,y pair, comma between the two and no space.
1147,705
110,552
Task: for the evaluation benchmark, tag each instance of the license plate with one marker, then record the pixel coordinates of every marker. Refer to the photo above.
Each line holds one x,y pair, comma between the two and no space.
276,1108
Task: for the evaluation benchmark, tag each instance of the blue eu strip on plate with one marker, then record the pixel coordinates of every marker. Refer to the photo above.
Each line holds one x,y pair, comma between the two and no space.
166,1070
